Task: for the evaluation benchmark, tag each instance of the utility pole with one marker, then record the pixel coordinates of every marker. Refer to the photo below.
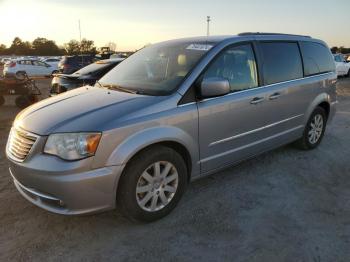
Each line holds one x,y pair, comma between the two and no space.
81,52
208,21
79,30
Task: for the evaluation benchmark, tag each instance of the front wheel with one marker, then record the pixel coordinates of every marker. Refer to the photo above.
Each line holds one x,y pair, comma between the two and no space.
24,101
152,184
314,130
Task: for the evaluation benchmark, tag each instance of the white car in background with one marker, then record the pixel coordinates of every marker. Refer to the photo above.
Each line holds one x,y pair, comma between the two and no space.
342,67
30,67
52,61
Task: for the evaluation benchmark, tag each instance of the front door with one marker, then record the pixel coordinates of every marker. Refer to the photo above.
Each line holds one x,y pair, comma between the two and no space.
230,126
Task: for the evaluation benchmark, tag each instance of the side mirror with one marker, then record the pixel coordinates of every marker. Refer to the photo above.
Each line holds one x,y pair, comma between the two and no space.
214,86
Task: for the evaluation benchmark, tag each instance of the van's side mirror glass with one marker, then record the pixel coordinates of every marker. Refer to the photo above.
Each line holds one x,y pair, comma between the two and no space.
214,86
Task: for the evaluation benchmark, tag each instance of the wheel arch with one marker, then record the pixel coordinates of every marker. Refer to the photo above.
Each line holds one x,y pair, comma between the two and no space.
322,100
171,137
326,106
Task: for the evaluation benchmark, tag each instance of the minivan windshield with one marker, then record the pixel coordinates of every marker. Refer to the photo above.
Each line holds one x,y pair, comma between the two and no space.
157,69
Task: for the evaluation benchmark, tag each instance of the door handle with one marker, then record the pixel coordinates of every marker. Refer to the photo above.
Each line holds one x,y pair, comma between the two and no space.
274,96
256,100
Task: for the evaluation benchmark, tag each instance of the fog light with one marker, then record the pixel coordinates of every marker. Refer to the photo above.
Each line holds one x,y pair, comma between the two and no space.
61,203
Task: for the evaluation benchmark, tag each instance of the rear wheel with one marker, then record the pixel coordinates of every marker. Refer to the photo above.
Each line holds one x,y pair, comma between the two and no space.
314,130
2,100
152,184
21,75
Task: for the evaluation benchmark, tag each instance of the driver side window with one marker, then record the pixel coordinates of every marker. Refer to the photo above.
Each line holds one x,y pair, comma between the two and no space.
237,65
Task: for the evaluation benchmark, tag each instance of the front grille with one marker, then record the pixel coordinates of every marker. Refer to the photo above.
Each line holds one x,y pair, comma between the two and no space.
19,144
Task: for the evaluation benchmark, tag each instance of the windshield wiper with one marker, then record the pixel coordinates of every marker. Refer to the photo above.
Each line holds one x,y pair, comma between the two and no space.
118,88
100,85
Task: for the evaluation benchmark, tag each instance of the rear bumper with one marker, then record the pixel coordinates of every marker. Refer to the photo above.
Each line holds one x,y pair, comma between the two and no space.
69,194
332,111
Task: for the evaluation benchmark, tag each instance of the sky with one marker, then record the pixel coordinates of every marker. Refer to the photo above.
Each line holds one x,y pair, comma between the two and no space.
133,23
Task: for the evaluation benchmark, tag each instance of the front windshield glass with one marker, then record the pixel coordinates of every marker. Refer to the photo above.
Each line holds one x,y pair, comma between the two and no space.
157,69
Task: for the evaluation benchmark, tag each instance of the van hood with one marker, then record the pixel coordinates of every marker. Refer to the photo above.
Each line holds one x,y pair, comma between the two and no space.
84,109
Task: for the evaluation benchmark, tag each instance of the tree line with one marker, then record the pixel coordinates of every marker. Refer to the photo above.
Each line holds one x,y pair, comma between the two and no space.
341,49
45,47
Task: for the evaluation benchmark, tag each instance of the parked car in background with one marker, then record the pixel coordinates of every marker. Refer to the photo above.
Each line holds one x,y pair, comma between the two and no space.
52,61
5,60
342,66
70,64
30,67
172,112
119,55
86,76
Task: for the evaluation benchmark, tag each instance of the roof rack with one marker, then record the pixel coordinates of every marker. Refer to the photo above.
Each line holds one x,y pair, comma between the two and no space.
262,33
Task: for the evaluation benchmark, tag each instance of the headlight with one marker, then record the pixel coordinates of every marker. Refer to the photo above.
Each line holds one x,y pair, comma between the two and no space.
72,146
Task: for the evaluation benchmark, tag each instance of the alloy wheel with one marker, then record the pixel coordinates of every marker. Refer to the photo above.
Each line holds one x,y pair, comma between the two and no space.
157,186
315,129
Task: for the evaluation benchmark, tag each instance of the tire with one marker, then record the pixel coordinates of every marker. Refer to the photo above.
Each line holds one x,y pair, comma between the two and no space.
21,75
24,101
312,136
2,100
348,74
139,206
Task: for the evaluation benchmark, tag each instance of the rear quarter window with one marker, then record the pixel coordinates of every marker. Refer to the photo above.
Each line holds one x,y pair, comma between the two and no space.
281,61
317,58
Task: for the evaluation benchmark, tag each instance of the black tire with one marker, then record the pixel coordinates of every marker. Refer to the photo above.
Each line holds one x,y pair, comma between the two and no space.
53,73
21,75
126,194
348,74
24,101
304,142
2,100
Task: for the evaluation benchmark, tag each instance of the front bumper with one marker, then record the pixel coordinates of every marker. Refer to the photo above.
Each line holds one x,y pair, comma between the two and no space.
67,193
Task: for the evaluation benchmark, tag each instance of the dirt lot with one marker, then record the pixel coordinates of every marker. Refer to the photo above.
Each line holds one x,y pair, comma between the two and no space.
286,205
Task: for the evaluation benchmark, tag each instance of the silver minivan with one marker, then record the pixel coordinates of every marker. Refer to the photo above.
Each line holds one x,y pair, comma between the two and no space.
172,112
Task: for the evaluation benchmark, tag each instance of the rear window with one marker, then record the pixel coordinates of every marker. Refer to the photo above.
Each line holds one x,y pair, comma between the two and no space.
281,62
52,60
338,58
92,68
76,59
317,58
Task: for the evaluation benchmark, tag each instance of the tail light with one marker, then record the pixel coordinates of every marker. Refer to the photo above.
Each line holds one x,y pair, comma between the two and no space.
12,64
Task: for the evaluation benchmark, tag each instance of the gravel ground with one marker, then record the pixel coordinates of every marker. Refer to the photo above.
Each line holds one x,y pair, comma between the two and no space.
285,205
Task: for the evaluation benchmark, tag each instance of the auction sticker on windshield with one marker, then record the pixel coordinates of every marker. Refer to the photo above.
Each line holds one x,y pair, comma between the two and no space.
200,47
